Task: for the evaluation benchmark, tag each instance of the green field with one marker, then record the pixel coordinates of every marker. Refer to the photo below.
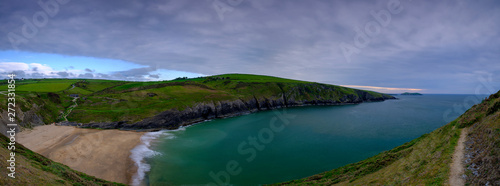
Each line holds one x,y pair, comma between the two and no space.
40,85
258,78
43,87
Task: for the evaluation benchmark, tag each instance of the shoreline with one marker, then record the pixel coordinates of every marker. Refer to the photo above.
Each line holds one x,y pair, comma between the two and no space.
101,153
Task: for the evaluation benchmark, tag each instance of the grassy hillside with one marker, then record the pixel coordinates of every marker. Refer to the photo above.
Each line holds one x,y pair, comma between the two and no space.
483,144
109,101
426,160
34,169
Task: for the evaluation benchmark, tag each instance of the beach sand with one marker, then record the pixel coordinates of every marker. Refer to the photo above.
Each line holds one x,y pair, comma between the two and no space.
101,153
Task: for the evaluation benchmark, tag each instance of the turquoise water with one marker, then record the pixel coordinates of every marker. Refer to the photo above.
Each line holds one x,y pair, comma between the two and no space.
285,144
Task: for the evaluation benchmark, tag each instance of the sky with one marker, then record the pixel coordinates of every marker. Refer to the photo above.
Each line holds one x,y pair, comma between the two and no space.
389,46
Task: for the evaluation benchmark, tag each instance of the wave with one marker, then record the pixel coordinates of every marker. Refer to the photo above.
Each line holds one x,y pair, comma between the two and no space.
143,151
140,153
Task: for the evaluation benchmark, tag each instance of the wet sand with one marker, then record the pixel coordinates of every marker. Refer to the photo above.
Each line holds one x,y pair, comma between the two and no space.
101,153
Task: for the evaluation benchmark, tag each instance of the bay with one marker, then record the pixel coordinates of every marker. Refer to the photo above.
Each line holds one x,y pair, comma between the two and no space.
292,143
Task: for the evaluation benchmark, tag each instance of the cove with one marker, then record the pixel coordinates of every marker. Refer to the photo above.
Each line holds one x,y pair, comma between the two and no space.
291,143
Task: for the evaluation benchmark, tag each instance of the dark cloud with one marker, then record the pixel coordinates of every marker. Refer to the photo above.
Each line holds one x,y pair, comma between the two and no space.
294,39
19,74
136,74
86,75
63,74
37,75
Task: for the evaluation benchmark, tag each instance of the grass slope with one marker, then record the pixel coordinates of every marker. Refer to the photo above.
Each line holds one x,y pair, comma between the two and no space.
426,160
108,101
483,144
34,169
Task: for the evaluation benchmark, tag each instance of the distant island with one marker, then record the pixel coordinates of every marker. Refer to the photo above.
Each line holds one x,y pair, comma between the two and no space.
411,94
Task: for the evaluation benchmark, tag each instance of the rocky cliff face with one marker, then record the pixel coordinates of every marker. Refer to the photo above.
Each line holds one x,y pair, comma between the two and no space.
297,96
26,119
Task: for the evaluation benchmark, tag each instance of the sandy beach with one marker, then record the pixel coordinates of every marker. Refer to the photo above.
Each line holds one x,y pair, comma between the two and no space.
101,153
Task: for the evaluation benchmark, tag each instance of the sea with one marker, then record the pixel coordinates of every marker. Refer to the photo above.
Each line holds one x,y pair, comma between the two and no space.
289,143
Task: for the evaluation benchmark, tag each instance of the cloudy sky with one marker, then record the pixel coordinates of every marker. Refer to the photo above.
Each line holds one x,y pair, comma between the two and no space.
387,45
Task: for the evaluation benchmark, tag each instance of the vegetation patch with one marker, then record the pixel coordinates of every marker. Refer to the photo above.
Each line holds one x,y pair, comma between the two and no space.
43,87
483,145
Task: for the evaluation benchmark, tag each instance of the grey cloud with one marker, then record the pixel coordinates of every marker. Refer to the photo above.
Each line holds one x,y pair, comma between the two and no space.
63,74
136,74
37,75
293,39
88,70
19,74
86,75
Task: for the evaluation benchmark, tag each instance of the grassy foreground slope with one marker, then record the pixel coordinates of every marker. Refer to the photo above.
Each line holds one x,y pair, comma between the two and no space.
34,169
483,143
112,101
426,160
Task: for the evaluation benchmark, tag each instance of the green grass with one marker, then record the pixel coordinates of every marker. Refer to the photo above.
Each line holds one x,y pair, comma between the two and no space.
78,90
43,87
50,85
258,78
133,106
131,85
190,80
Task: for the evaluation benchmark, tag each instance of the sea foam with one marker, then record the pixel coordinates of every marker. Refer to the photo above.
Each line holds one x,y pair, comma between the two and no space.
143,151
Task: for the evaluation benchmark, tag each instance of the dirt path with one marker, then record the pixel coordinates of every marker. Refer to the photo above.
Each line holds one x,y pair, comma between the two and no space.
70,109
457,166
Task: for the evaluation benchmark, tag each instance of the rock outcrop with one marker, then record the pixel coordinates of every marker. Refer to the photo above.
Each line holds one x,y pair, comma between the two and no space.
27,119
